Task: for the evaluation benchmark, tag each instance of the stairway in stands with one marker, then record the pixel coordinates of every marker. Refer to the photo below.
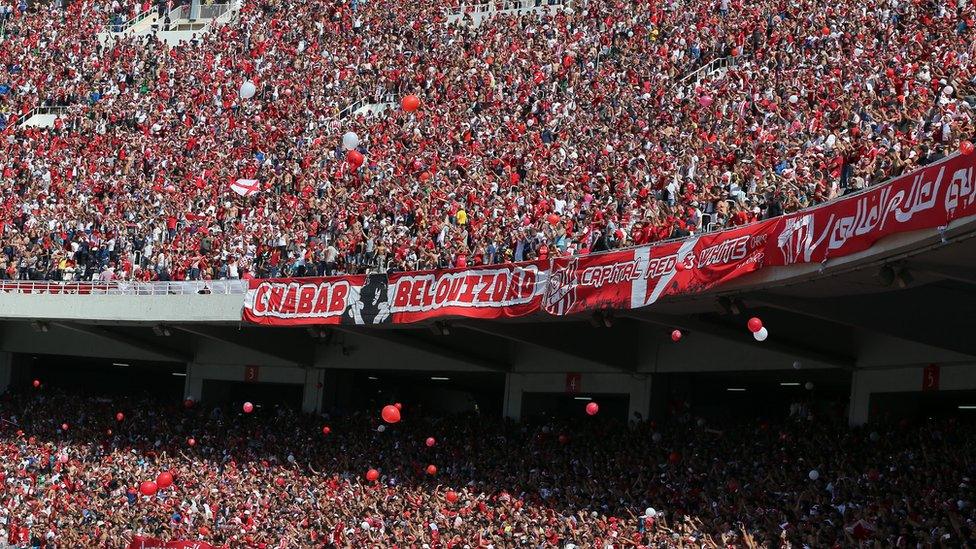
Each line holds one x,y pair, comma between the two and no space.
178,24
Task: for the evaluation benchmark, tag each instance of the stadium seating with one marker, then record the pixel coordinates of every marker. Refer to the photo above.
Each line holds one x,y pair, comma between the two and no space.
73,472
566,129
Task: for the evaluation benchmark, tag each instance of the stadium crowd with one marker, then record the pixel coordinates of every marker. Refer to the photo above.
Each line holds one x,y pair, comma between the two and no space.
71,475
552,132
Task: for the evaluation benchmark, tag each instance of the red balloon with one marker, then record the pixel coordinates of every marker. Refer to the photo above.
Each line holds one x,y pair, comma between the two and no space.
326,430
966,148
592,408
391,414
676,336
64,426
37,383
553,218
188,403
148,488
398,405
431,470
191,441
754,324
280,481
826,31
372,475
355,158
248,407
674,457
164,479
119,416
431,442
451,496
410,103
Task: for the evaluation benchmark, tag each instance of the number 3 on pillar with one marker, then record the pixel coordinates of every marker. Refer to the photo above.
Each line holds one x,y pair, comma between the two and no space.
251,374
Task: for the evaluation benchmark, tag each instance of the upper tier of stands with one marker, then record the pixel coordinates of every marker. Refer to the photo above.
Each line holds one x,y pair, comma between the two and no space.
544,131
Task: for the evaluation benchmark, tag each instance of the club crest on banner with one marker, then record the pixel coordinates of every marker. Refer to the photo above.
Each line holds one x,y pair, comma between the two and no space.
560,296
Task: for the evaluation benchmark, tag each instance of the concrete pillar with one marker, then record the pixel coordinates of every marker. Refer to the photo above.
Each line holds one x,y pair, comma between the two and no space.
640,399
6,369
312,395
512,407
193,386
859,406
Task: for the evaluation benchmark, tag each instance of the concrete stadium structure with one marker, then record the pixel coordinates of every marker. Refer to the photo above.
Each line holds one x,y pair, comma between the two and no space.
893,320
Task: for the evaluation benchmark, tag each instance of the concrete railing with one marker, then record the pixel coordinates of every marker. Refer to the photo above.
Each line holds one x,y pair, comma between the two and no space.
350,110
695,76
479,11
184,287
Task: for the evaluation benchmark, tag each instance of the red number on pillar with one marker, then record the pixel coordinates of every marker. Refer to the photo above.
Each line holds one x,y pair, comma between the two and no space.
573,382
251,374
930,378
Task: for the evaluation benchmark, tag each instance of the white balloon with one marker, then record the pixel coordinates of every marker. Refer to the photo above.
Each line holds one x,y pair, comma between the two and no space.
814,474
874,436
794,99
381,428
761,335
948,90
350,141
809,385
797,365
656,437
650,512
248,90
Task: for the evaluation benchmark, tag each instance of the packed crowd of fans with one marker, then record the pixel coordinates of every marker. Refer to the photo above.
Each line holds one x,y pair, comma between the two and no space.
560,131
72,470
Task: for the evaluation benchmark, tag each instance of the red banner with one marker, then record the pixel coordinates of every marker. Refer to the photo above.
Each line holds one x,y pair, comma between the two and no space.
357,299
637,277
140,542
497,291
631,278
